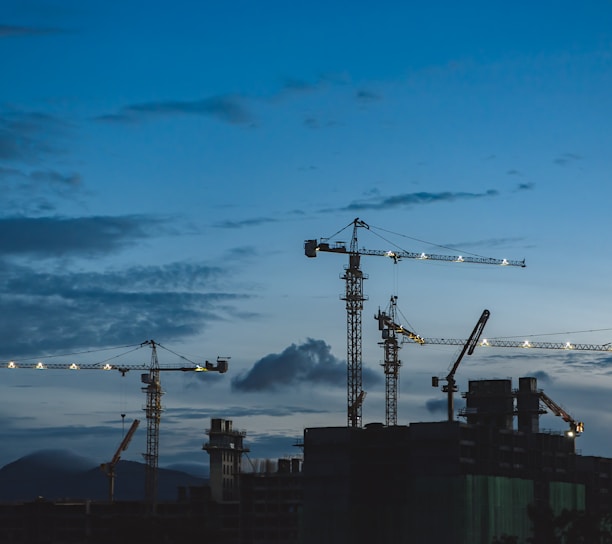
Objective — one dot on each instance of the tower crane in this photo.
(576, 427)
(153, 391)
(109, 468)
(468, 347)
(391, 365)
(354, 298)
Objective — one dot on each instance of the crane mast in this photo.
(391, 365)
(153, 410)
(354, 298)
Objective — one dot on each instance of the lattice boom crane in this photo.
(355, 298)
(152, 389)
(391, 365)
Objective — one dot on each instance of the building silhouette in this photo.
(451, 482)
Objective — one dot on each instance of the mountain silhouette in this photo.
(62, 474)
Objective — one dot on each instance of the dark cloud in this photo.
(229, 109)
(542, 376)
(310, 362)
(46, 312)
(525, 186)
(10, 31)
(83, 236)
(55, 178)
(567, 158)
(254, 222)
(513, 173)
(412, 199)
(367, 96)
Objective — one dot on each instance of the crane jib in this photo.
(311, 247)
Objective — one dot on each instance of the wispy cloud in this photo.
(364, 96)
(486, 242)
(227, 108)
(414, 199)
(26, 136)
(253, 222)
(7, 31)
(567, 158)
(37, 192)
(310, 362)
(299, 85)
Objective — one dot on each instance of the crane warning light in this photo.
(11, 365)
(40, 366)
(504, 262)
(459, 259)
(423, 256)
(107, 367)
(526, 344)
(568, 345)
(74, 366)
(485, 342)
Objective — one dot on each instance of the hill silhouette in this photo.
(61, 474)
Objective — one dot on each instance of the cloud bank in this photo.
(309, 363)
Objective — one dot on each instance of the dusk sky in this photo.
(162, 163)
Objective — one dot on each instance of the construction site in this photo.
(485, 474)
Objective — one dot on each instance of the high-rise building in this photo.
(225, 447)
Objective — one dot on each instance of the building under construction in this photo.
(450, 481)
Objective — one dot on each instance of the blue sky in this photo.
(161, 166)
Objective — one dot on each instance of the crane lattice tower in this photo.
(153, 411)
